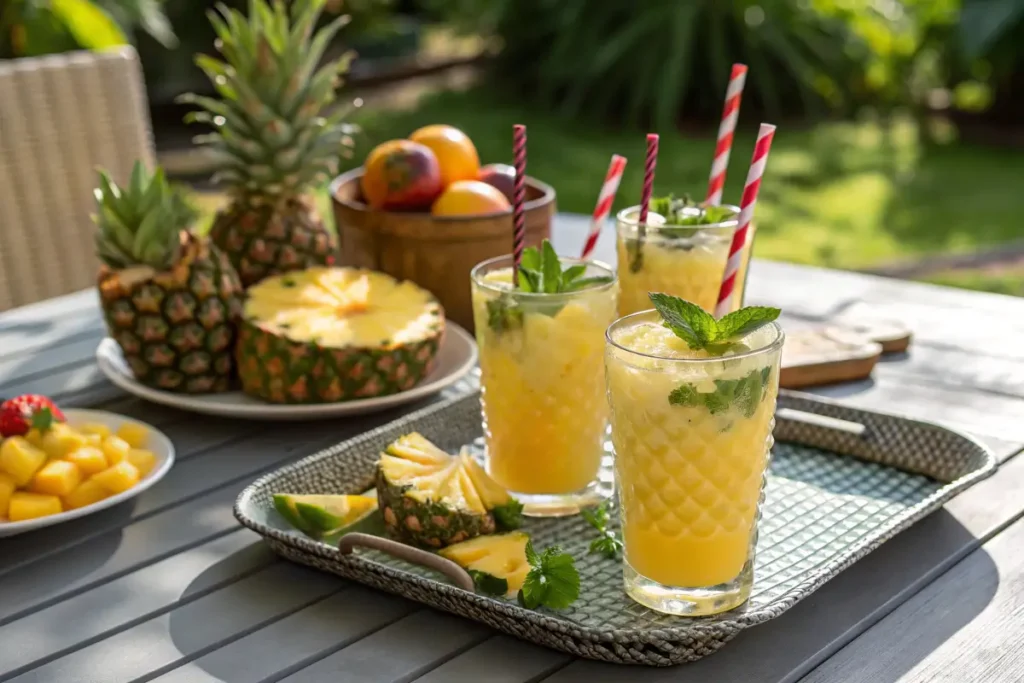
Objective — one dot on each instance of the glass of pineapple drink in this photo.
(692, 433)
(542, 377)
(684, 261)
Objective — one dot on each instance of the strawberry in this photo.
(22, 413)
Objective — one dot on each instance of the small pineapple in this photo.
(270, 140)
(170, 299)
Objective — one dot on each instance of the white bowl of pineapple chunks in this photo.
(92, 461)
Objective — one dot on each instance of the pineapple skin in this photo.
(176, 328)
(430, 524)
(265, 240)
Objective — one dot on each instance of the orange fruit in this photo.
(455, 152)
(400, 174)
(470, 198)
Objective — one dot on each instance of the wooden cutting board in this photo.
(826, 355)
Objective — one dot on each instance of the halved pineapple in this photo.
(429, 497)
(502, 556)
(335, 334)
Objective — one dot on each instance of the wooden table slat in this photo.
(164, 642)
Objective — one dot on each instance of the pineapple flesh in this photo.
(502, 556)
(170, 299)
(270, 136)
(432, 501)
(335, 334)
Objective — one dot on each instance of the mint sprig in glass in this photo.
(542, 375)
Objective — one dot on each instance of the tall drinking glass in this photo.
(542, 377)
(692, 435)
(684, 261)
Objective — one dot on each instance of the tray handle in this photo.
(824, 421)
(459, 576)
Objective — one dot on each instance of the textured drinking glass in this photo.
(692, 439)
(684, 261)
(542, 379)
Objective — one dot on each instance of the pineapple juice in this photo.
(690, 468)
(542, 379)
(687, 262)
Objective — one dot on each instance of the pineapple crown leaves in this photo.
(140, 224)
(269, 137)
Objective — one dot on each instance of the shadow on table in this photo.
(788, 648)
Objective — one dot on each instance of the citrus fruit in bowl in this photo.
(401, 174)
(470, 198)
(456, 154)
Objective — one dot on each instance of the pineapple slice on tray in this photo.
(323, 335)
(430, 499)
(497, 563)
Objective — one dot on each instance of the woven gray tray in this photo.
(823, 511)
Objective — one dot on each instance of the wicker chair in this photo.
(61, 117)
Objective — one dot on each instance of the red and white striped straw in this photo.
(605, 198)
(518, 199)
(749, 201)
(650, 161)
(726, 129)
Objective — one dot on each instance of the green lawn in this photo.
(838, 194)
(1008, 280)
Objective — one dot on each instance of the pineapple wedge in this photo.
(118, 478)
(61, 439)
(143, 460)
(501, 557)
(89, 459)
(115, 448)
(136, 435)
(87, 493)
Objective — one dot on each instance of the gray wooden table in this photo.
(169, 588)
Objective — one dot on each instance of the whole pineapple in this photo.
(170, 299)
(271, 143)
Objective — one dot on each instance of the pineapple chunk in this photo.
(134, 434)
(142, 459)
(115, 448)
(89, 459)
(32, 505)
(87, 493)
(61, 440)
(94, 440)
(7, 487)
(20, 459)
(118, 478)
(57, 478)
(95, 428)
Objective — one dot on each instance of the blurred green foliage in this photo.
(30, 28)
(664, 60)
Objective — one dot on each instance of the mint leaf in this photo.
(685, 395)
(746, 320)
(488, 583)
(585, 282)
(551, 268)
(721, 398)
(503, 314)
(572, 273)
(529, 280)
(509, 515)
(553, 580)
(607, 544)
(531, 259)
(689, 322)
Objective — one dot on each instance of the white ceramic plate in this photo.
(455, 358)
(158, 443)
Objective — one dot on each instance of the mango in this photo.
(57, 478)
(142, 459)
(32, 506)
(20, 459)
(115, 448)
(87, 493)
(89, 459)
(135, 434)
(118, 478)
(7, 487)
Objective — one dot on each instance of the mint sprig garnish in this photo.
(488, 584)
(607, 543)
(540, 272)
(685, 212)
(745, 393)
(553, 580)
(700, 330)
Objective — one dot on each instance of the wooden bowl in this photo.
(435, 252)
